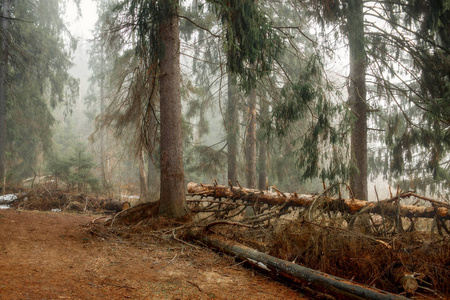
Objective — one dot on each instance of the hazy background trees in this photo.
(272, 93)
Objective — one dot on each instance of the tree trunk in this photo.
(4, 55)
(142, 176)
(351, 206)
(335, 285)
(153, 178)
(231, 125)
(357, 99)
(263, 182)
(172, 199)
(102, 129)
(250, 141)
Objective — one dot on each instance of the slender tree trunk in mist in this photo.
(3, 86)
(250, 141)
(357, 99)
(153, 178)
(173, 199)
(263, 182)
(142, 176)
(232, 127)
(102, 129)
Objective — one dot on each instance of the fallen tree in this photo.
(286, 269)
(352, 206)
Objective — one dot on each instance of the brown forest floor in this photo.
(50, 255)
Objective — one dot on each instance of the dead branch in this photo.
(351, 206)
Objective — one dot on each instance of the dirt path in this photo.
(46, 255)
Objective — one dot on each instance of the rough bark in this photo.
(357, 99)
(351, 206)
(250, 141)
(172, 199)
(231, 125)
(3, 86)
(286, 269)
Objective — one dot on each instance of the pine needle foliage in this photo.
(148, 15)
(38, 81)
(250, 41)
(305, 106)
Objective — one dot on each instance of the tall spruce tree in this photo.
(232, 128)
(399, 41)
(4, 56)
(172, 199)
(36, 49)
(158, 43)
(357, 98)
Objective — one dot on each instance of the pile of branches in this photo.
(382, 262)
(397, 247)
(385, 217)
(41, 198)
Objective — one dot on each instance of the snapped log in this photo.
(289, 270)
(351, 206)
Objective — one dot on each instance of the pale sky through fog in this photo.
(82, 26)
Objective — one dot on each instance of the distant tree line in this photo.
(246, 91)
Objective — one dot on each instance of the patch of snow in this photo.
(8, 197)
(56, 209)
(130, 196)
(4, 206)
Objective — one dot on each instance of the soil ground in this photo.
(50, 255)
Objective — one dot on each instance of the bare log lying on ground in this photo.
(110, 204)
(352, 206)
(135, 214)
(286, 269)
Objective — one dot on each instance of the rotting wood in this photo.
(289, 270)
(351, 206)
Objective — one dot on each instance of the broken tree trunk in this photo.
(286, 269)
(352, 206)
(405, 279)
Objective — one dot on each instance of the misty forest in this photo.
(305, 142)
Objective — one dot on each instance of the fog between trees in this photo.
(272, 93)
